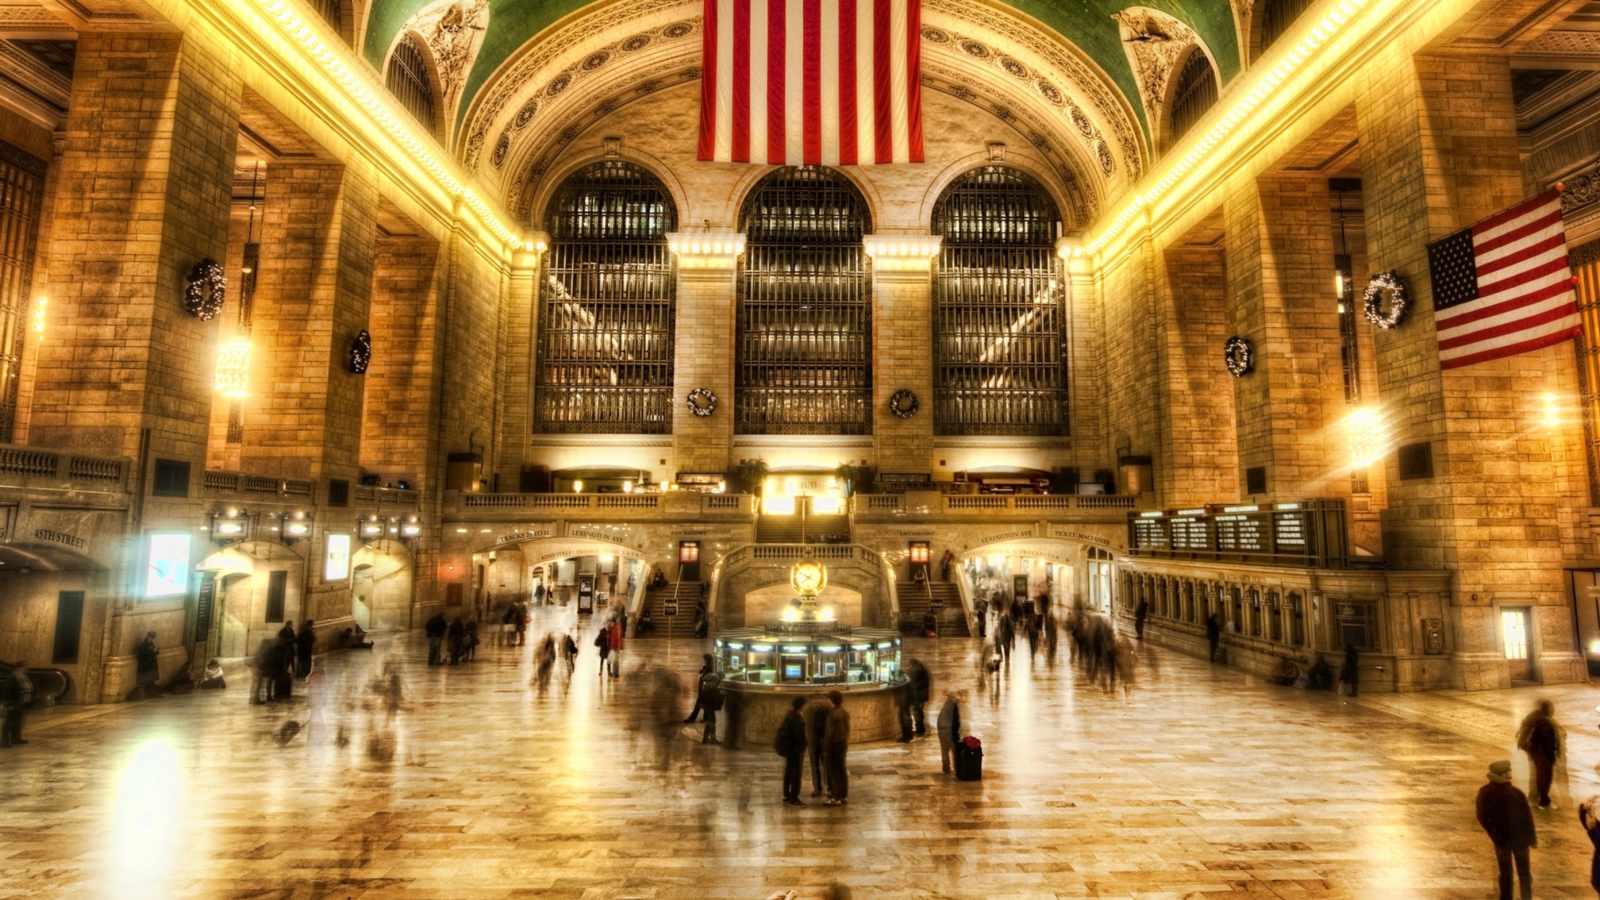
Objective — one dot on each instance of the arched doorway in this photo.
(381, 583)
(259, 586)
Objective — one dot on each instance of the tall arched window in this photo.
(1194, 91)
(805, 307)
(408, 81)
(999, 321)
(608, 298)
(1276, 17)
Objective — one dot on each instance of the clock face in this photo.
(808, 578)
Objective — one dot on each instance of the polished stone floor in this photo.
(469, 782)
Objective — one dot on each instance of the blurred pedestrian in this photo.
(212, 679)
(469, 641)
(602, 643)
(1213, 635)
(1540, 738)
(286, 633)
(1350, 671)
(921, 686)
(835, 743)
(1140, 613)
(949, 728)
(148, 671)
(16, 695)
(436, 628)
(705, 669)
(619, 634)
(816, 716)
(710, 700)
(519, 624)
(306, 644)
(569, 652)
(544, 662)
(456, 640)
(791, 745)
(1504, 814)
(1591, 825)
(263, 665)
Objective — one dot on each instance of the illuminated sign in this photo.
(167, 572)
(336, 565)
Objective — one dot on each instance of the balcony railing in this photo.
(94, 472)
(958, 503)
(681, 503)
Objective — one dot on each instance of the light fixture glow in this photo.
(38, 314)
(1367, 435)
(233, 368)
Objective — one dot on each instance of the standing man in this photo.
(949, 729)
(619, 631)
(1213, 634)
(16, 694)
(835, 741)
(710, 700)
(921, 685)
(1140, 613)
(705, 670)
(816, 716)
(306, 643)
(1540, 738)
(519, 623)
(791, 745)
(435, 629)
(1503, 812)
(149, 666)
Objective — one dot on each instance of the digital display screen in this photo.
(336, 566)
(791, 670)
(167, 572)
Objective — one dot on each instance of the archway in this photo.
(1026, 569)
(587, 574)
(259, 586)
(381, 582)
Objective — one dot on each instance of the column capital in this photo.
(902, 252)
(714, 250)
(529, 253)
(1077, 259)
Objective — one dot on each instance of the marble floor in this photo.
(470, 783)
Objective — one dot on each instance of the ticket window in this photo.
(792, 669)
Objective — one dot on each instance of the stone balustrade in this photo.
(38, 467)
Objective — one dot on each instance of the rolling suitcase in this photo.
(969, 759)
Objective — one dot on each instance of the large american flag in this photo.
(1502, 287)
(812, 82)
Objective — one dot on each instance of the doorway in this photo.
(1514, 631)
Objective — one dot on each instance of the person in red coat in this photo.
(1504, 813)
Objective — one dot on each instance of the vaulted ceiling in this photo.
(1089, 25)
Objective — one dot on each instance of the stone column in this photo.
(143, 191)
(520, 351)
(1280, 296)
(1086, 372)
(704, 353)
(313, 292)
(902, 347)
(400, 410)
(1438, 153)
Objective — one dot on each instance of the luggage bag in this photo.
(969, 759)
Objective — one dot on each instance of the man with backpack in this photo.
(791, 745)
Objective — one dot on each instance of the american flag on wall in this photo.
(812, 82)
(1502, 287)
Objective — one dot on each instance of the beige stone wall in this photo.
(1199, 410)
(402, 401)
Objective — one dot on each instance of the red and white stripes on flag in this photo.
(1502, 287)
(812, 82)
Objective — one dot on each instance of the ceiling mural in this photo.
(1089, 26)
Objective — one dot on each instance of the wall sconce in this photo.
(296, 527)
(627, 487)
(410, 529)
(370, 528)
(230, 526)
(38, 314)
(577, 487)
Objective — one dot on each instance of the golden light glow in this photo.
(38, 314)
(1367, 435)
(1552, 412)
(301, 33)
(577, 487)
(233, 368)
(1320, 34)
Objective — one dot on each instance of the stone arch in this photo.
(539, 204)
(382, 584)
(1165, 135)
(1067, 206)
(441, 116)
(244, 587)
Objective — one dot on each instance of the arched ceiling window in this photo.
(999, 319)
(408, 81)
(1276, 17)
(608, 302)
(804, 338)
(1193, 92)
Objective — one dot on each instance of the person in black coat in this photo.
(1140, 613)
(1539, 738)
(1350, 671)
(435, 628)
(1591, 825)
(791, 745)
(705, 670)
(305, 643)
(1504, 814)
(16, 695)
(1213, 634)
(149, 666)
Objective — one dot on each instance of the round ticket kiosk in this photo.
(808, 654)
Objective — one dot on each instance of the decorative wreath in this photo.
(361, 352)
(702, 402)
(206, 288)
(904, 404)
(1399, 300)
(1239, 356)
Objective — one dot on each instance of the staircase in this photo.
(803, 529)
(687, 593)
(914, 602)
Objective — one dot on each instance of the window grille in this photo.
(332, 12)
(999, 312)
(1192, 94)
(1274, 616)
(408, 81)
(1276, 17)
(21, 191)
(1297, 621)
(609, 294)
(805, 308)
(1357, 625)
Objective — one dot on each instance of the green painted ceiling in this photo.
(1085, 23)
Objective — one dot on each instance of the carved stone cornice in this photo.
(901, 255)
(713, 253)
